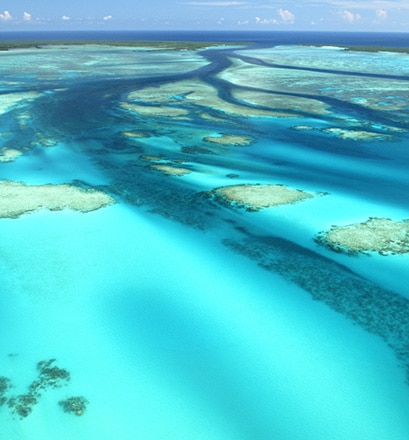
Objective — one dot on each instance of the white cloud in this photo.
(266, 21)
(6, 16)
(107, 17)
(381, 14)
(65, 18)
(349, 16)
(286, 16)
(26, 16)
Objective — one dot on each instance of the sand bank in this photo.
(18, 198)
(381, 235)
(256, 197)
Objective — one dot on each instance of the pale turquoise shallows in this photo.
(180, 315)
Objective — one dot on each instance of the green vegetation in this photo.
(365, 48)
(377, 49)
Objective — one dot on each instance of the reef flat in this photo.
(382, 235)
(256, 197)
(229, 139)
(17, 198)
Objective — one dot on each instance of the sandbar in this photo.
(134, 134)
(9, 154)
(382, 235)
(229, 139)
(17, 198)
(256, 197)
(357, 135)
(170, 170)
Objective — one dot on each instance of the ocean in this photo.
(204, 241)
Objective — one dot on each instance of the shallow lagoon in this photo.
(179, 316)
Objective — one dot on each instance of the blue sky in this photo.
(342, 15)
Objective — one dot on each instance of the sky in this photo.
(318, 15)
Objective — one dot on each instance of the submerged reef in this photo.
(11, 100)
(18, 198)
(256, 197)
(134, 134)
(229, 139)
(5, 385)
(49, 376)
(379, 311)
(382, 235)
(170, 170)
(357, 135)
(74, 405)
(9, 154)
(151, 158)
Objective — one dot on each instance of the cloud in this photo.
(286, 16)
(266, 21)
(65, 18)
(6, 16)
(107, 17)
(349, 16)
(26, 16)
(381, 14)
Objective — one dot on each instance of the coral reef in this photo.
(229, 139)
(256, 197)
(74, 405)
(377, 310)
(9, 154)
(357, 135)
(5, 385)
(382, 235)
(18, 198)
(49, 376)
(134, 134)
(170, 170)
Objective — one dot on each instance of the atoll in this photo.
(256, 197)
(381, 235)
(18, 198)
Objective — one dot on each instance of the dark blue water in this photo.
(384, 39)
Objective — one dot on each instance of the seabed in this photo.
(201, 241)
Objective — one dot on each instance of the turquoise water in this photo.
(179, 317)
